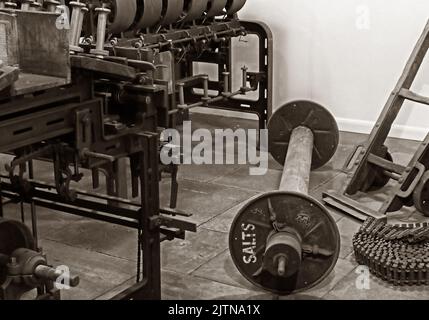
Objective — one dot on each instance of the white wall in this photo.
(346, 55)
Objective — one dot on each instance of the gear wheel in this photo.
(394, 254)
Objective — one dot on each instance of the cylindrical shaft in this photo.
(25, 5)
(80, 25)
(282, 266)
(226, 82)
(48, 273)
(244, 80)
(206, 87)
(297, 168)
(75, 19)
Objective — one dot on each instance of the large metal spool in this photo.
(216, 8)
(148, 13)
(194, 9)
(224, 7)
(286, 241)
(233, 6)
(172, 11)
(122, 16)
(139, 14)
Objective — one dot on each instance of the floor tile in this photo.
(99, 237)
(98, 272)
(185, 256)
(347, 289)
(205, 200)
(347, 227)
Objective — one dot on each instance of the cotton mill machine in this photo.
(86, 87)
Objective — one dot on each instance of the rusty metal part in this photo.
(194, 9)
(233, 6)
(216, 8)
(398, 256)
(308, 114)
(421, 195)
(286, 241)
(171, 11)
(149, 13)
(122, 16)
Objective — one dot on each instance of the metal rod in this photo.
(281, 269)
(226, 82)
(297, 168)
(45, 272)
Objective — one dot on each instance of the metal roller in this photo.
(233, 6)
(148, 14)
(194, 9)
(172, 10)
(216, 8)
(122, 16)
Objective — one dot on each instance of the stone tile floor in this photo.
(200, 267)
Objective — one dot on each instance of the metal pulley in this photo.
(233, 6)
(216, 8)
(194, 10)
(149, 13)
(123, 13)
(286, 241)
(172, 10)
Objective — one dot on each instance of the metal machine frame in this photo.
(90, 98)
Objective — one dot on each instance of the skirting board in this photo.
(346, 125)
(398, 131)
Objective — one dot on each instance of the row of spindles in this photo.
(31, 5)
(78, 11)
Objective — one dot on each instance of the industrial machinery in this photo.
(88, 86)
(285, 241)
(23, 268)
(392, 242)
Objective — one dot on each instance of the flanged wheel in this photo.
(13, 235)
(310, 115)
(293, 254)
(377, 179)
(421, 195)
